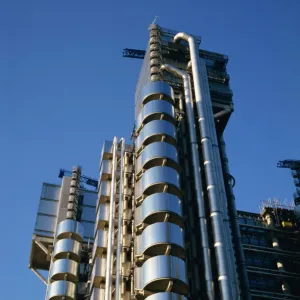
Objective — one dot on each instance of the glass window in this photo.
(261, 284)
(253, 241)
(249, 261)
(250, 222)
(257, 262)
(242, 221)
(245, 240)
(262, 242)
(267, 263)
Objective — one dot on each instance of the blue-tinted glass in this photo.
(250, 222)
(249, 261)
(253, 241)
(262, 242)
(268, 263)
(242, 220)
(257, 262)
(245, 240)
(252, 282)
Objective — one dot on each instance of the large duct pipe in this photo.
(197, 176)
(120, 222)
(208, 141)
(235, 226)
(110, 237)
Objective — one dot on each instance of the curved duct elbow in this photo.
(173, 70)
(182, 36)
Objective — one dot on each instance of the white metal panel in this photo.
(48, 207)
(50, 191)
(45, 223)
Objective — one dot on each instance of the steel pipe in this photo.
(245, 291)
(209, 147)
(120, 222)
(42, 246)
(197, 176)
(110, 240)
(39, 275)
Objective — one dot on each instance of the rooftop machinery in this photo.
(271, 242)
(162, 224)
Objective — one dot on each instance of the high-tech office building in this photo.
(160, 222)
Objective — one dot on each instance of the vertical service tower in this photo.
(162, 224)
(183, 103)
(66, 256)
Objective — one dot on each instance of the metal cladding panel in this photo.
(64, 268)
(156, 150)
(51, 191)
(48, 207)
(106, 151)
(106, 169)
(166, 296)
(138, 188)
(47, 212)
(158, 203)
(154, 89)
(155, 107)
(98, 272)
(161, 268)
(156, 179)
(154, 128)
(66, 227)
(158, 234)
(59, 289)
(160, 175)
(143, 79)
(100, 242)
(98, 294)
(102, 216)
(67, 248)
(45, 225)
(103, 192)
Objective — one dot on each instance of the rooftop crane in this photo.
(83, 179)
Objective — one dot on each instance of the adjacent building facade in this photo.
(162, 223)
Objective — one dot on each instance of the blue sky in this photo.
(65, 88)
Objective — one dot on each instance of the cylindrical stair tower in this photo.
(160, 271)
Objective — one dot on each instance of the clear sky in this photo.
(65, 88)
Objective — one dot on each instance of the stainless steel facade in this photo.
(162, 224)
